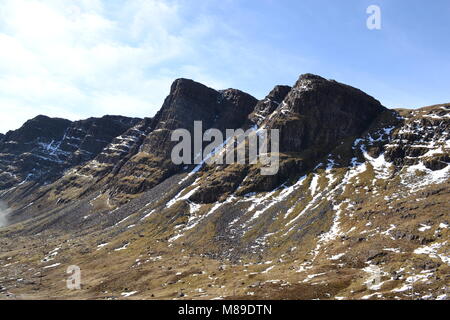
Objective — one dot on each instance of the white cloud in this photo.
(82, 58)
(69, 58)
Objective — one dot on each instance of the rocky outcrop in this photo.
(268, 105)
(44, 148)
(188, 102)
(314, 117)
(422, 138)
(124, 146)
(317, 113)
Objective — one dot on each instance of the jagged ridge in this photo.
(360, 187)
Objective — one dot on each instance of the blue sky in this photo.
(81, 58)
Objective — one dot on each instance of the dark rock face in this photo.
(188, 101)
(313, 118)
(317, 113)
(268, 105)
(409, 145)
(41, 128)
(126, 145)
(43, 148)
(218, 185)
(95, 133)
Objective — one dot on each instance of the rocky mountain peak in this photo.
(189, 88)
(190, 101)
(238, 101)
(43, 148)
(40, 127)
(268, 105)
(279, 93)
(319, 112)
(311, 77)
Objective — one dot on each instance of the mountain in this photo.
(44, 148)
(357, 210)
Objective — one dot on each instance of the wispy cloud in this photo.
(4, 211)
(78, 58)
